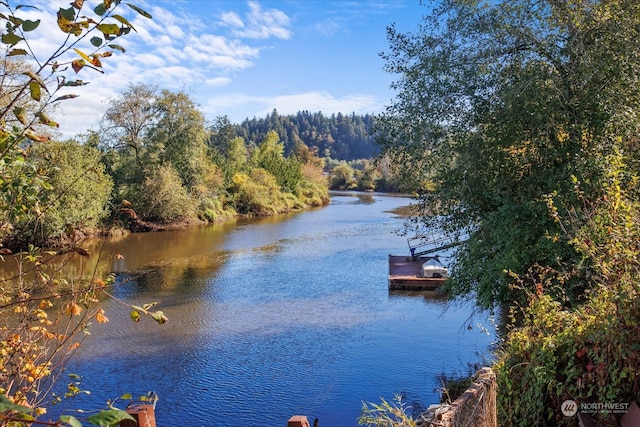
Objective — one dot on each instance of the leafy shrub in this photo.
(589, 354)
(255, 194)
(162, 197)
(342, 177)
(77, 194)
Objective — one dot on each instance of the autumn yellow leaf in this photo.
(74, 346)
(74, 309)
(44, 304)
(100, 317)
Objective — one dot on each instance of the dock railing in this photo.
(432, 241)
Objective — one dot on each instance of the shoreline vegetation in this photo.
(102, 183)
(136, 225)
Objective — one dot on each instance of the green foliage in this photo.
(221, 133)
(342, 177)
(109, 417)
(162, 197)
(213, 210)
(30, 85)
(387, 414)
(501, 105)
(179, 134)
(22, 415)
(269, 155)
(20, 186)
(236, 159)
(589, 354)
(146, 132)
(256, 194)
(339, 136)
(77, 194)
(361, 175)
(128, 119)
(523, 117)
(313, 192)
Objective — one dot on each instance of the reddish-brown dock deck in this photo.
(405, 273)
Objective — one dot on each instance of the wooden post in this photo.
(298, 421)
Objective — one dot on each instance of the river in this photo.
(274, 317)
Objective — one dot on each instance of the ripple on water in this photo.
(280, 318)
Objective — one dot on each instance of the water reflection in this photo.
(274, 317)
(430, 297)
(353, 198)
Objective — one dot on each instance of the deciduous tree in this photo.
(504, 106)
(180, 135)
(76, 197)
(129, 117)
(43, 313)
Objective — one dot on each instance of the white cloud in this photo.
(218, 81)
(173, 50)
(231, 19)
(323, 101)
(178, 51)
(218, 52)
(150, 60)
(328, 28)
(80, 114)
(260, 23)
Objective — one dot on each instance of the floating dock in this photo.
(405, 272)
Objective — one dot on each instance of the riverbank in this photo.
(125, 221)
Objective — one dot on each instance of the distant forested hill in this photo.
(340, 137)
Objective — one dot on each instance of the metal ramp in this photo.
(430, 242)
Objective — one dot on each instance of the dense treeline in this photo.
(345, 143)
(155, 161)
(339, 136)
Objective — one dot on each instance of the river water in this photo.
(274, 317)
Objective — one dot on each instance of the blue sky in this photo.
(244, 58)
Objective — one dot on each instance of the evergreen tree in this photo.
(339, 137)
